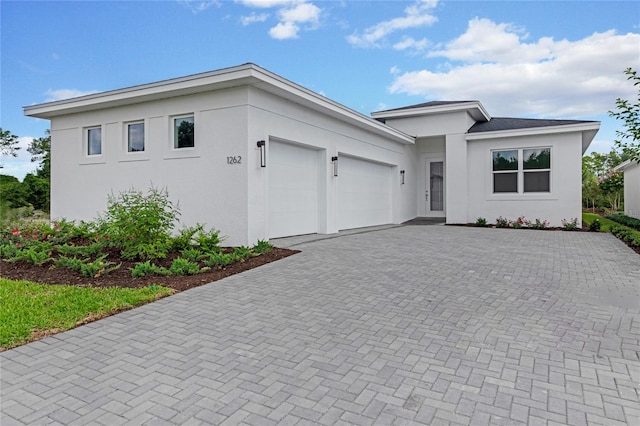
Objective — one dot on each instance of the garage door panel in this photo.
(364, 193)
(293, 190)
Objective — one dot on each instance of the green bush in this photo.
(140, 224)
(208, 242)
(144, 269)
(193, 255)
(262, 247)
(185, 238)
(631, 222)
(481, 221)
(570, 225)
(36, 254)
(242, 253)
(219, 260)
(92, 250)
(628, 235)
(87, 267)
(182, 266)
(502, 222)
(595, 225)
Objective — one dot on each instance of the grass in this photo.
(605, 224)
(29, 310)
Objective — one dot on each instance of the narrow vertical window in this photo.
(183, 132)
(94, 141)
(135, 137)
(537, 169)
(505, 171)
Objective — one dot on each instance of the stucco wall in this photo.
(274, 118)
(632, 190)
(562, 202)
(209, 191)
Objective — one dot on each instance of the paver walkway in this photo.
(405, 325)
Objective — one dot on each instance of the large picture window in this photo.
(135, 137)
(94, 141)
(521, 170)
(183, 132)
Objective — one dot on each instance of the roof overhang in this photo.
(629, 164)
(587, 129)
(473, 108)
(242, 75)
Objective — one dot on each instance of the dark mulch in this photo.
(122, 277)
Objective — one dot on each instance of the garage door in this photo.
(364, 193)
(293, 190)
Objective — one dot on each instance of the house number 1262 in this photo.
(234, 160)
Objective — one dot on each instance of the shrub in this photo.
(147, 268)
(37, 254)
(185, 238)
(519, 222)
(631, 222)
(262, 247)
(595, 225)
(207, 242)
(139, 224)
(628, 235)
(92, 250)
(193, 255)
(182, 266)
(570, 225)
(481, 221)
(88, 268)
(242, 253)
(537, 224)
(501, 222)
(219, 260)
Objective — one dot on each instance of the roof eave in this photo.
(588, 130)
(475, 109)
(242, 75)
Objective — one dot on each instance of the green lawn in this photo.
(29, 310)
(605, 223)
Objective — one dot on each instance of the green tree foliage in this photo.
(40, 150)
(601, 187)
(8, 143)
(629, 113)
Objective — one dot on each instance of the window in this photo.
(135, 137)
(94, 141)
(183, 132)
(531, 166)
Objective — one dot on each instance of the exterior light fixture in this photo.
(402, 177)
(263, 154)
(334, 160)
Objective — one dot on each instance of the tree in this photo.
(629, 113)
(8, 144)
(40, 150)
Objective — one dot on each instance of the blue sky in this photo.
(551, 59)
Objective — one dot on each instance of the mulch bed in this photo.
(122, 277)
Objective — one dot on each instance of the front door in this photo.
(434, 191)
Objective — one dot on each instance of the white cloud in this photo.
(417, 15)
(197, 6)
(292, 14)
(253, 18)
(395, 70)
(60, 94)
(492, 63)
(284, 30)
(409, 43)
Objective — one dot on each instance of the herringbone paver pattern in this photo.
(408, 325)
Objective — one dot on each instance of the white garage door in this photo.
(364, 193)
(293, 190)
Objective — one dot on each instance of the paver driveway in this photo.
(413, 324)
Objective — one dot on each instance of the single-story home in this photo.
(257, 156)
(631, 170)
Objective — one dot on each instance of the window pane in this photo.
(505, 182)
(183, 132)
(536, 182)
(94, 141)
(505, 160)
(537, 158)
(136, 137)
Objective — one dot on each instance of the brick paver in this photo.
(404, 325)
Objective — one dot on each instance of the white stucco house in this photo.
(257, 156)
(631, 170)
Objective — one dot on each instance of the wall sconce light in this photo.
(402, 177)
(263, 154)
(334, 160)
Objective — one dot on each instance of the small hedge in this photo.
(628, 235)
(631, 222)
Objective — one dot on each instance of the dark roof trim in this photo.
(507, 123)
(429, 104)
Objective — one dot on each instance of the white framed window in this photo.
(93, 140)
(183, 132)
(135, 136)
(521, 170)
